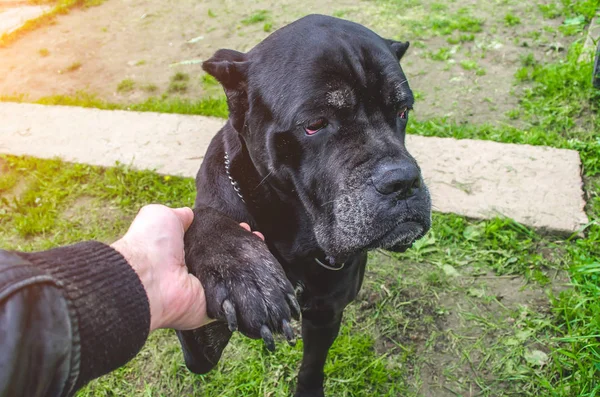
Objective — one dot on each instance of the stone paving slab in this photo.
(537, 186)
(12, 18)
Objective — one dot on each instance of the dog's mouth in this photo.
(400, 237)
(397, 239)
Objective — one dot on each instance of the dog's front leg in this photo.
(319, 330)
(246, 288)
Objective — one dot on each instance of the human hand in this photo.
(153, 246)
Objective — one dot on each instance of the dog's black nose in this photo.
(402, 180)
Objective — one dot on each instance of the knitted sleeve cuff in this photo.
(107, 300)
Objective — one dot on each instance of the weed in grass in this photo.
(511, 20)
(468, 64)
(267, 27)
(126, 86)
(211, 13)
(43, 52)
(208, 81)
(550, 11)
(180, 77)
(179, 83)
(258, 16)
(461, 21)
(340, 13)
(8, 180)
(150, 88)
(523, 74)
(513, 114)
(140, 62)
(528, 60)
(442, 54)
(177, 87)
(534, 34)
(73, 67)
(437, 7)
(462, 38)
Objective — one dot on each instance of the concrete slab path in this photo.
(536, 186)
(13, 18)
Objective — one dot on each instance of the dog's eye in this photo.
(315, 126)
(403, 113)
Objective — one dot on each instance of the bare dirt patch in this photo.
(144, 43)
(96, 219)
(460, 331)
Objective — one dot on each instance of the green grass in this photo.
(511, 20)
(462, 21)
(468, 64)
(550, 11)
(442, 54)
(462, 38)
(389, 336)
(256, 17)
(126, 86)
(179, 83)
(150, 88)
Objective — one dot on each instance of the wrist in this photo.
(138, 262)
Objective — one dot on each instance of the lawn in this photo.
(476, 308)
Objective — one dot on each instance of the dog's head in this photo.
(322, 106)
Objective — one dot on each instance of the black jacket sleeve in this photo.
(67, 316)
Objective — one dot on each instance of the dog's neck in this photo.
(323, 261)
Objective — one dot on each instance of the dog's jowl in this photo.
(313, 156)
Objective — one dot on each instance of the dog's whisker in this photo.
(264, 179)
(327, 202)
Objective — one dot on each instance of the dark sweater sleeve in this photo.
(108, 306)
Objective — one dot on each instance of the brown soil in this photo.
(450, 327)
(94, 49)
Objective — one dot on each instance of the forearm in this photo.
(107, 306)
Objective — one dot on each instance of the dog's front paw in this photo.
(244, 285)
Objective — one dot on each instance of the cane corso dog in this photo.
(312, 156)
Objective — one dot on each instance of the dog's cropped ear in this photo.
(399, 48)
(230, 68)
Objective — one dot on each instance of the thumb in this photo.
(185, 215)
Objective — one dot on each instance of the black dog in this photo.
(313, 156)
